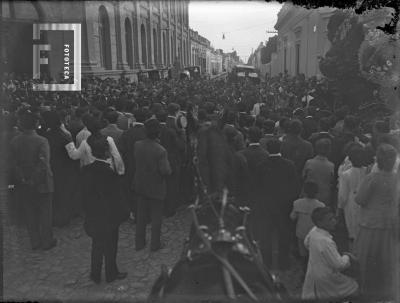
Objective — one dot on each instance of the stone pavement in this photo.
(62, 274)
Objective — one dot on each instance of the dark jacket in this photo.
(30, 158)
(297, 150)
(234, 137)
(126, 144)
(310, 126)
(254, 155)
(265, 139)
(241, 177)
(112, 130)
(215, 159)
(280, 185)
(171, 140)
(104, 204)
(152, 166)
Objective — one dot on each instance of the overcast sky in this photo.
(244, 23)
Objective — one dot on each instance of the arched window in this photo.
(164, 49)
(104, 38)
(128, 42)
(144, 41)
(155, 48)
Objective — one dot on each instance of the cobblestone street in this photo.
(62, 274)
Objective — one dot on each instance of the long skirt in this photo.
(377, 253)
(352, 218)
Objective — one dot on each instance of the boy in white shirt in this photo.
(324, 280)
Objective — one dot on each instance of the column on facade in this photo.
(181, 11)
(150, 44)
(137, 36)
(160, 48)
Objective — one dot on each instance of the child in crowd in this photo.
(302, 210)
(324, 280)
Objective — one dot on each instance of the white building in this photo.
(302, 40)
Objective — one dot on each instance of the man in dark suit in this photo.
(30, 155)
(295, 148)
(269, 133)
(254, 155)
(279, 188)
(216, 163)
(324, 127)
(176, 155)
(112, 130)
(174, 146)
(126, 146)
(105, 210)
(233, 136)
(152, 167)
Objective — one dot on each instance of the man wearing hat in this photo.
(152, 167)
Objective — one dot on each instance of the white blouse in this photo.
(84, 154)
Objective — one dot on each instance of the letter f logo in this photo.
(37, 61)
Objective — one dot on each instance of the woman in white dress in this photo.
(349, 182)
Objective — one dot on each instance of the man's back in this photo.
(321, 171)
(103, 201)
(265, 139)
(297, 150)
(126, 144)
(174, 145)
(26, 148)
(152, 165)
(112, 131)
(254, 155)
(31, 155)
(279, 181)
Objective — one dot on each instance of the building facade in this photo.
(214, 61)
(199, 46)
(302, 40)
(118, 37)
(229, 60)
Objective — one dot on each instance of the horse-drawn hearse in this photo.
(220, 261)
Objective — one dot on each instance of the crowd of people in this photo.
(120, 150)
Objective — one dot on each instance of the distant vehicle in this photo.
(245, 72)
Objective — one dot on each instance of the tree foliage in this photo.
(341, 63)
(270, 48)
